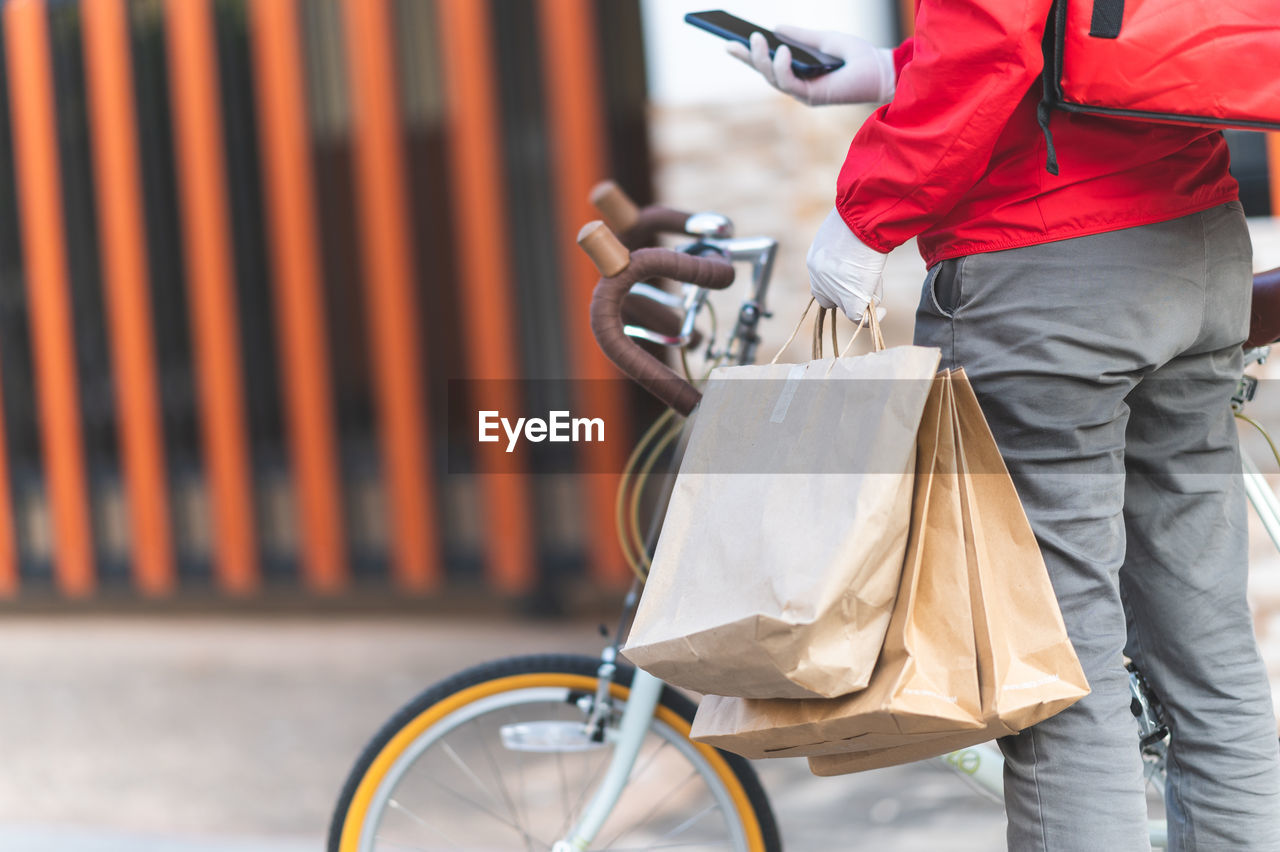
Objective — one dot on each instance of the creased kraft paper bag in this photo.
(1027, 669)
(926, 679)
(782, 546)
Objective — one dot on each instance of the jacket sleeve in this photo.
(902, 55)
(969, 65)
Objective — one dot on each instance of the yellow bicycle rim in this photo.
(358, 810)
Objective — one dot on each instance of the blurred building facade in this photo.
(245, 244)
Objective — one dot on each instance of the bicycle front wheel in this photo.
(496, 758)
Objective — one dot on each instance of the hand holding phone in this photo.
(806, 62)
(857, 71)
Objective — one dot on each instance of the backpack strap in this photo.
(1107, 17)
(1051, 79)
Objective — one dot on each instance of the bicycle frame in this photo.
(1263, 499)
(641, 704)
(646, 690)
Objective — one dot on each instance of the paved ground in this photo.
(208, 734)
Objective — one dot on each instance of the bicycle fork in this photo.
(641, 705)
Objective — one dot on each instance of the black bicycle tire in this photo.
(539, 664)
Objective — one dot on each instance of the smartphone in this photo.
(806, 62)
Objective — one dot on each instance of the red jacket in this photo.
(957, 158)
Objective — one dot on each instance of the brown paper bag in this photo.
(1027, 669)
(926, 678)
(782, 547)
(922, 748)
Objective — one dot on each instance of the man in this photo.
(1099, 314)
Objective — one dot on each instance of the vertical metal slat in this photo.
(907, 14)
(383, 208)
(206, 229)
(479, 223)
(126, 276)
(44, 243)
(574, 103)
(301, 323)
(9, 577)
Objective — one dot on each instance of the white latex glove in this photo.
(867, 76)
(844, 271)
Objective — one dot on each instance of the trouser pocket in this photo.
(945, 286)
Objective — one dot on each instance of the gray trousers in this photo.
(1105, 365)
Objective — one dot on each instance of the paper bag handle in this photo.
(869, 318)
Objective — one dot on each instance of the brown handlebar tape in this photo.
(646, 313)
(654, 220)
(610, 258)
(606, 319)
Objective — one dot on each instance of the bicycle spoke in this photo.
(656, 805)
(564, 782)
(394, 803)
(588, 788)
(512, 720)
(467, 770)
(506, 794)
(524, 834)
(687, 824)
(636, 773)
(649, 761)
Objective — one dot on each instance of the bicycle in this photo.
(621, 733)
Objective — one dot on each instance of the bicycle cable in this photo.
(1266, 435)
(684, 363)
(626, 483)
(635, 476)
(642, 478)
(684, 350)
